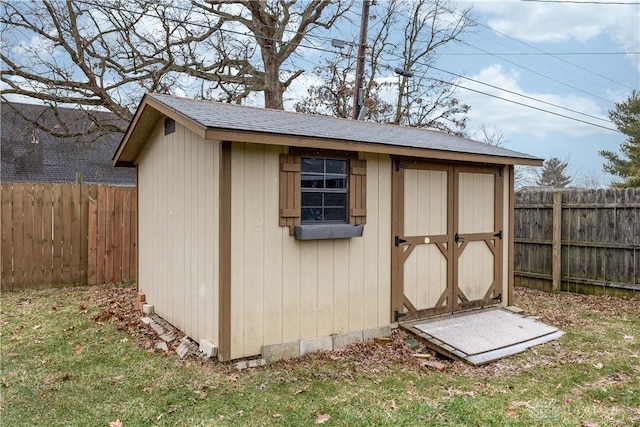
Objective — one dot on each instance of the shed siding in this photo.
(178, 229)
(285, 290)
(476, 206)
(425, 213)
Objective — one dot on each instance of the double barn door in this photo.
(447, 230)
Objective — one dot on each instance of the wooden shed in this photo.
(274, 233)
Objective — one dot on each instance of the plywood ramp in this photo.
(482, 336)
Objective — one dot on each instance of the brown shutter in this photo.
(358, 192)
(289, 190)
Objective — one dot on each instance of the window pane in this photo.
(311, 214)
(335, 200)
(335, 214)
(312, 199)
(312, 181)
(336, 166)
(310, 164)
(336, 182)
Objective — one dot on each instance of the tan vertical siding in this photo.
(285, 290)
(178, 220)
(476, 201)
(425, 210)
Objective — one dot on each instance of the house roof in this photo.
(29, 154)
(231, 122)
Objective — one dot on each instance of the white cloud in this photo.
(516, 119)
(557, 22)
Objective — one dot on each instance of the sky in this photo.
(564, 59)
(592, 62)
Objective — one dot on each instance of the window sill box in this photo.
(327, 231)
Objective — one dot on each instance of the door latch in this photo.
(458, 238)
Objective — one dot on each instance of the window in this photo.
(322, 187)
(324, 184)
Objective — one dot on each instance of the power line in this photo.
(438, 80)
(538, 50)
(516, 102)
(536, 54)
(521, 95)
(613, 3)
(524, 105)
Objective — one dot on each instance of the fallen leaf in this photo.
(4, 382)
(323, 418)
(79, 348)
(588, 424)
(148, 389)
(512, 412)
(55, 378)
(116, 423)
(598, 365)
(276, 415)
(35, 328)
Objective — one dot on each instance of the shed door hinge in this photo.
(498, 234)
(397, 315)
(400, 165)
(400, 241)
(497, 298)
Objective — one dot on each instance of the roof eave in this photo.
(366, 147)
(147, 115)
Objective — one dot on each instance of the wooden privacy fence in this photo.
(59, 234)
(585, 241)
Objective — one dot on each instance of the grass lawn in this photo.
(77, 357)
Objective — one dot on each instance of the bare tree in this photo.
(277, 27)
(107, 54)
(421, 100)
(334, 95)
(405, 38)
(493, 136)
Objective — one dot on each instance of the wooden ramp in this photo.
(482, 336)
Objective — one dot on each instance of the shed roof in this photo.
(221, 121)
(29, 154)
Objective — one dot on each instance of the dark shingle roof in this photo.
(234, 117)
(31, 155)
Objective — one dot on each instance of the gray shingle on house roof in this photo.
(52, 159)
(253, 119)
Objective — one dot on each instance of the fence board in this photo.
(7, 235)
(101, 235)
(116, 231)
(17, 231)
(56, 237)
(67, 236)
(63, 234)
(38, 207)
(76, 230)
(47, 234)
(125, 265)
(599, 236)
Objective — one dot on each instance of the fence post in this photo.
(556, 242)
